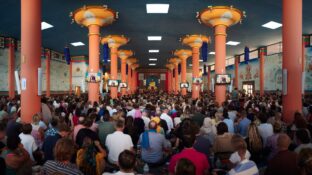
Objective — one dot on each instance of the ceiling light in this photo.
(200, 60)
(153, 59)
(233, 43)
(190, 64)
(108, 60)
(212, 53)
(154, 38)
(153, 51)
(157, 8)
(152, 64)
(77, 44)
(272, 25)
(45, 25)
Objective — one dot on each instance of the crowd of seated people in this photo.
(156, 133)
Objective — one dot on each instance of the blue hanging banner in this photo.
(67, 55)
(179, 69)
(246, 54)
(105, 53)
(204, 51)
(127, 69)
(104, 69)
(205, 69)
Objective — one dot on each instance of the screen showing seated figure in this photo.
(93, 77)
(113, 83)
(223, 79)
(123, 85)
(184, 85)
(197, 80)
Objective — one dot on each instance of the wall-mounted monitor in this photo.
(112, 83)
(184, 85)
(93, 77)
(123, 85)
(222, 79)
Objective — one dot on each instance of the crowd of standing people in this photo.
(156, 133)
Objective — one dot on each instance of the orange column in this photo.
(261, 67)
(209, 79)
(114, 71)
(220, 39)
(123, 75)
(195, 65)
(292, 57)
(183, 74)
(169, 81)
(134, 81)
(48, 65)
(30, 58)
(11, 67)
(236, 64)
(94, 60)
(176, 81)
(71, 77)
(173, 80)
(129, 79)
(303, 53)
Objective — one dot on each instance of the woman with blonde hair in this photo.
(38, 128)
(254, 142)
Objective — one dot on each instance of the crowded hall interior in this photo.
(155, 87)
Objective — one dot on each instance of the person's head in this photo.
(305, 161)
(283, 142)
(299, 121)
(26, 128)
(126, 161)
(88, 122)
(120, 124)
(255, 140)
(63, 150)
(54, 122)
(188, 140)
(222, 128)
(241, 148)
(2, 130)
(63, 130)
(13, 142)
(36, 119)
(152, 125)
(185, 167)
(303, 136)
(262, 117)
(277, 127)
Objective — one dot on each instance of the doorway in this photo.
(249, 87)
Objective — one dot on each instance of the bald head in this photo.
(283, 141)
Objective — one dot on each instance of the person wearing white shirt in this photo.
(265, 129)
(126, 163)
(167, 118)
(131, 113)
(28, 140)
(146, 119)
(117, 142)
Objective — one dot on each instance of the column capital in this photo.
(174, 61)
(183, 54)
(124, 54)
(195, 40)
(134, 66)
(114, 41)
(170, 66)
(220, 15)
(131, 61)
(94, 15)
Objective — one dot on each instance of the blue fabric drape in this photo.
(145, 139)
(105, 53)
(204, 51)
(246, 54)
(67, 55)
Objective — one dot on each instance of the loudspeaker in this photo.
(17, 82)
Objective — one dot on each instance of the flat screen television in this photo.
(123, 85)
(93, 77)
(222, 79)
(197, 80)
(184, 85)
(112, 83)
